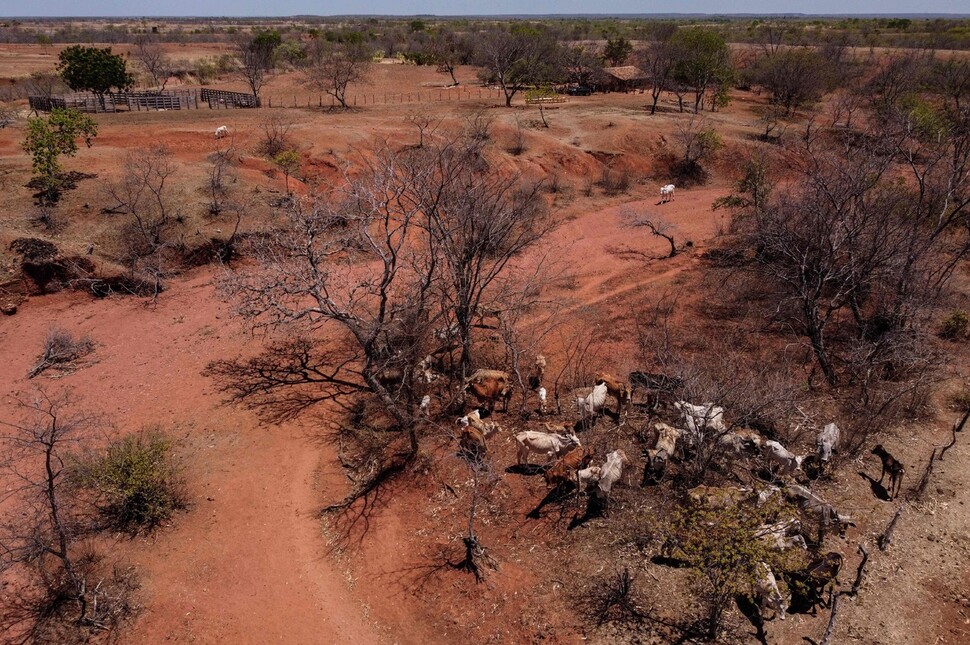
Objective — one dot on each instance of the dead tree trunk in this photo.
(886, 539)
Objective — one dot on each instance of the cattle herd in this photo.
(567, 467)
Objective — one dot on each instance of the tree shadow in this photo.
(877, 489)
(750, 610)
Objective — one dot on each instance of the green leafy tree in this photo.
(257, 57)
(519, 58)
(92, 69)
(723, 552)
(617, 51)
(48, 139)
(704, 62)
(288, 161)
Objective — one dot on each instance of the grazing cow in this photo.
(782, 535)
(610, 472)
(616, 388)
(550, 445)
(594, 402)
(739, 441)
(666, 193)
(778, 456)
(766, 590)
(222, 131)
(819, 510)
(892, 466)
(662, 451)
(718, 497)
(537, 373)
(564, 470)
(827, 442)
(473, 433)
(490, 386)
(700, 417)
(587, 477)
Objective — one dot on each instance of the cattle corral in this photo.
(252, 558)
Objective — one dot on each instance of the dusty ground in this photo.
(251, 561)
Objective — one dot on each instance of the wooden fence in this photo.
(382, 98)
(194, 99)
(222, 99)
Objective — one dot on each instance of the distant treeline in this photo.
(394, 36)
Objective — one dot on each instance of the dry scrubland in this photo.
(252, 559)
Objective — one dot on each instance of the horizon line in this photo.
(897, 14)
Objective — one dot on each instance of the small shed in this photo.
(623, 79)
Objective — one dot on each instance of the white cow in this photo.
(611, 471)
(587, 477)
(701, 417)
(779, 456)
(827, 441)
(543, 443)
(767, 593)
(222, 131)
(666, 193)
(594, 402)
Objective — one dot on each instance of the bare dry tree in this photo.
(40, 528)
(150, 54)
(221, 173)
(276, 128)
(657, 225)
(479, 218)
(335, 66)
(426, 125)
(145, 196)
(851, 245)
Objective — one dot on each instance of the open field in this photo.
(254, 560)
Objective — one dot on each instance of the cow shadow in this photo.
(529, 470)
(557, 495)
(595, 507)
(877, 489)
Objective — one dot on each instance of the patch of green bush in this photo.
(136, 482)
(955, 326)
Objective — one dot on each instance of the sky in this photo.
(19, 8)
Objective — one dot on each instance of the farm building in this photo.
(623, 79)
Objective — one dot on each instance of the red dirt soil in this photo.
(251, 561)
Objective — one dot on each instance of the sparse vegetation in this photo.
(955, 326)
(49, 139)
(61, 350)
(135, 482)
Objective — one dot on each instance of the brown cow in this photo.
(565, 469)
(619, 390)
(490, 386)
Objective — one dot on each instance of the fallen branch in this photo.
(830, 630)
(853, 592)
(957, 427)
(886, 539)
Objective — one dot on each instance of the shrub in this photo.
(955, 326)
(61, 349)
(614, 182)
(136, 482)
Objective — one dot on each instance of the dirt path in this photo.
(247, 563)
